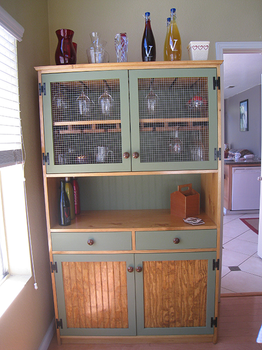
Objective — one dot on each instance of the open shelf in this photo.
(119, 220)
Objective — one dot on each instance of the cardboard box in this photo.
(185, 202)
(198, 50)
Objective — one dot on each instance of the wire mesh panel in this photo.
(86, 122)
(174, 120)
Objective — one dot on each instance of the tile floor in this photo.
(240, 249)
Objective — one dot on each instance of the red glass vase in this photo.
(65, 51)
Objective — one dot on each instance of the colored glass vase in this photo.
(65, 51)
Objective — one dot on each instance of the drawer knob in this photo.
(130, 269)
(176, 240)
(138, 269)
(126, 155)
(90, 242)
(135, 155)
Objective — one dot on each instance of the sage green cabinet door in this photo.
(175, 293)
(173, 119)
(86, 121)
(95, 294)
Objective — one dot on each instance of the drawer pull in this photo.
(126, 155)
(138, 269)
(176, 240)
(90, 242)
(135, 155)
(130, 269)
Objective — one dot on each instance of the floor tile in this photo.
(227, 238)
(242, 282)
(225, 291)
(230, 258)
(252, 265)
(225, 271)
(229, 218)
(249, 236)
(240, 246)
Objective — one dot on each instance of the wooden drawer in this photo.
(101, 241)
(162, 240)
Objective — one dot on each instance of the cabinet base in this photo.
(139, 339)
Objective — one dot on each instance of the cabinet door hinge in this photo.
(213, 322)
(217, 154)
(216, 264)
(53, 267)
(59, 323)
(46, 159)
(41, 89)
(216, 83)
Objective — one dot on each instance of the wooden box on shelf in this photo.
(185, 201)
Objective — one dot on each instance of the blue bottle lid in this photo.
(147, 14)
(173, 10)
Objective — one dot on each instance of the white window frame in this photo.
(13, 203)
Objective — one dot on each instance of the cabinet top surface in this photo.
(128, 65)
(127, 220)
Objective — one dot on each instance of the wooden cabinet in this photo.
(135, 293)
(126, 270)
(172, 114)
(175, 293)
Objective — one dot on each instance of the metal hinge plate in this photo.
(59, 323)
(213, 322)
(217, 153)
(42, 89)
(216, 83)
(46, 159)
(53, 267)
(216, 264)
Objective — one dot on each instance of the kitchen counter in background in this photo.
(242, 161)
(241, 187)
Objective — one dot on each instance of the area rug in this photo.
(251, 223)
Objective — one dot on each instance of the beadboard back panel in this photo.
(132, 192)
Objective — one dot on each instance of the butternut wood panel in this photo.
(175, 293)
(95, 294)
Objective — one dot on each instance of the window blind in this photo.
(10, 125)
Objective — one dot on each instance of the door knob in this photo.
(259, 178)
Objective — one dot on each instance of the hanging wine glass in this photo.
(84, 105)
(59, 103)
(176, 145)
(106, 103)
(152, 100)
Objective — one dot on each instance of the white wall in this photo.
(24, 324)
(251, 139)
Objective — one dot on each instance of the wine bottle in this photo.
(148, 41)
(76, 196)
(168, 20)
(64, 206)
(70, 195)
(173, 51)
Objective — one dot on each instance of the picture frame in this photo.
(244, 117)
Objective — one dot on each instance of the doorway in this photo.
(241, 270)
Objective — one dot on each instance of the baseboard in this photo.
(48, 336)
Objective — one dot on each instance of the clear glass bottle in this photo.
(148, 41)
(173, 51)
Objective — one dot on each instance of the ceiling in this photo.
(241, 72)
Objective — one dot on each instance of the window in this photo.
(15, 264)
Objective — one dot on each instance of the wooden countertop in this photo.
(124, 220)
